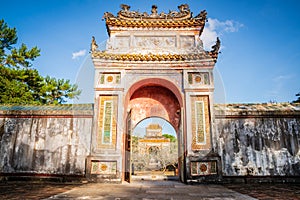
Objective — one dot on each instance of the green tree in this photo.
(22, 84)
(171, 137)
(58, 91)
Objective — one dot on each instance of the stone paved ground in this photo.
(147, 190)
(268, 191)
(151, 190)
(32, 190)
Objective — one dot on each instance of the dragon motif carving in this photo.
(216, 47)
(183, 13)
(125, 13)
(202, 15)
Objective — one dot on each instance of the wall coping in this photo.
(257, 110)
(45, 110)
(220, 110)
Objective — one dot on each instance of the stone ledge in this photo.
(278, 110)
(43, 110)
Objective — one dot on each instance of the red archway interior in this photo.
(154, 100)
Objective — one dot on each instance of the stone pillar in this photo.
(202, 162)
(105, 162)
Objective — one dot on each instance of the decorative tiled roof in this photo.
(172, 19)
(154, 126)
(167, 23)
(153, 57)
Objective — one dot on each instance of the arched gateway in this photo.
(154, 65)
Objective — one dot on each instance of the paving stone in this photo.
(147, 190)
(151, 190)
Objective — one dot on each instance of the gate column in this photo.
(202, 162)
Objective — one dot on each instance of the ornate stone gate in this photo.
(153, 65)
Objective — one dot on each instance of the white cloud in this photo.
(78, 54)
(278, 85)
(215, 28)
(281, 78)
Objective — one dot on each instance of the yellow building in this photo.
(153, 142)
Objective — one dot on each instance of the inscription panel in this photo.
(107, 122)
(200, 125)
(154, 41)
(200, 122)
(107, 130)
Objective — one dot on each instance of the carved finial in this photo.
(154, 10)
(125, 13)
(107, 15)
(94, 45)
(202, 15)
(216, 47)
(125, 7)
(184, 8)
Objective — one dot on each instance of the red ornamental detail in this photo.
(203, 168)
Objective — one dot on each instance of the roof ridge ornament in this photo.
(202, 15)
(94, 45)
(215, 49)
(125, 13)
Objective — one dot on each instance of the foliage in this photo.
(298, 100)
(171, 137)
(19, 82)
(58, 90)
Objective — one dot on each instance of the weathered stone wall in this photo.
(258, 140)
(45, 139)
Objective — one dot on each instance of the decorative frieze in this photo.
(187, 42)
(198, 78)
(103, 167)
(109, 78)
(203, 168)
(155, 41)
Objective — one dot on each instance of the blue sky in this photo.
(260, 41)
(140, 129)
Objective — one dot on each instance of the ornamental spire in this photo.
(94, 45)
(215, 49)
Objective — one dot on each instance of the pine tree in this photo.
(20, 83)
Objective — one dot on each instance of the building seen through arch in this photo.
(154, 151)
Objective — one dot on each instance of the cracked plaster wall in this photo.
(260, 144)
(263, 146)
(44, 145)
